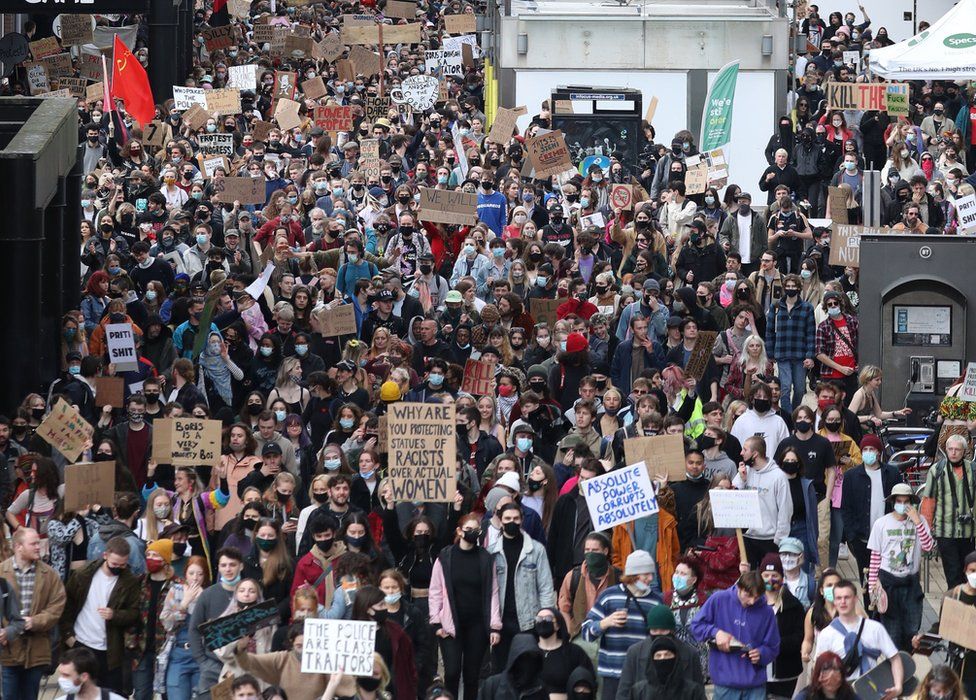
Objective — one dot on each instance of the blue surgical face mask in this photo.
(436, 379)
(321, 187)
(367, 475)
(469, 249)
(74, 370)
(332, 464)
(211, 128)
(442, 179)
(346, 423)
(806, 274)
(266, 351)
(280, 416)
(392, 598)
(202, 239)
(562, 345)
(150, 295)
(524, 444)
(293, 200)
(901, 508)
(709, 200)
(584, 202)
(114, 269)
(498, 252)
(679, 582)
(541, 280)
(338, 191)
(230, 581)
(85, 203)
(834, 311)
(301, 349)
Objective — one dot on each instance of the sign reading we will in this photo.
(186, 442)
(422, 449)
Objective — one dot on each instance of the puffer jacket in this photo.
(533, 580)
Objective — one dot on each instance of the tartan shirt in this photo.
(827, 339)
(26, 579)
(790, 334)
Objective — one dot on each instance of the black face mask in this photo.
(545, 628)
(254, 409)
(179, 548)
(324, 545)
(512, 529)
(790, 467)
(471, 536)
(283, 497)
(421, 541)
(833, 426)
(320, 497)
(803, 426)
(152, 398)
(116, 570)
(368, 683)
(664, 668)
(380, 616)
(742, 294)
(761, 405)
(537, 387)
(706, 442)
(37, 413)
(99, 457)
(581, 695)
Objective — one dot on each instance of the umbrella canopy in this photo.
(946, 50)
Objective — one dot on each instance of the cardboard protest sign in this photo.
(339, 646)
(651, 110)
(696, 178)
(77, 86)
(958, 623)
(65, 430)
(968, 390)
(57, 93)
(418, 91)
(966, 212)
(58, 64)
(544, 310)
(340, 320)
(345, 70)
(548, 154)
(225, 689)
(369, 157)
(735, 509)
(121, 347)
(109, 391)
(363, 61)
(156, 134)
(460, 24)
(44, 47)
(422, 448)
(863, 96)
(382, 434)
(837, 199)
(216, 144)
(239, 8)
(334, 118)
(361, 20)
(564, 107)
(504, 125)
(285, 85)
(216, 38)
(845, 245)
(392, 34)
(224, 101)
(221, 631)
(400, 9)
(296, 45)
(95, 92)
(89, 65)
(459, 42)
(448, 206)
(315, 88)
(186, 97)
(263, 33)
(444, 62)
(479, 378)
(243, 77)
(186, 441)
(897, 100)
(86, 484)
(701, 353)
(209, 164)
(77, 29)
(262, 130)
(286, 114)
(661, 454)
(620, 496)
(330, 48)
(622, 197)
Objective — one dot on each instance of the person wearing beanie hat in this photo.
(864, 495)
(155, 587)
(571, 366)
(390, 392)
(618, 619)
(162, 547)
(788, 665)
(660, 620)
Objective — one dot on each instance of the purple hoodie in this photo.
(754, 626)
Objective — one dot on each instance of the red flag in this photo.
(131, 84)
(220, 15)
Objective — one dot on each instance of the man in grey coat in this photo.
(211, 603)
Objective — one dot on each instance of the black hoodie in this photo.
(675, 685)
(521, 679)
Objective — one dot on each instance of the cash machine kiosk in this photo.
(916, 321)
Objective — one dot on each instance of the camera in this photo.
(965, 519)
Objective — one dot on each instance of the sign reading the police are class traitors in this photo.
(339, 646)
(620, 496)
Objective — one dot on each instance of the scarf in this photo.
(217, 372)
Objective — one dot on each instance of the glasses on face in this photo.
(833, 305)
(640, 392)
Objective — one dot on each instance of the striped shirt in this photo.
(615, 641)
(25, 582)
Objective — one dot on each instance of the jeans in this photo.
(725, 693)
(182, 674)
(21, 683)
(904, 615)
(142, 677)
(792, 375)
(836, 534)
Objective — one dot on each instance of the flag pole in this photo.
(109, 105)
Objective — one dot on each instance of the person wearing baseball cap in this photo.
(788, 664)
(896, 543)
(619, 617)
(865, 492)
(744, 232)
(795, 576)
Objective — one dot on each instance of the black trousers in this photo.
(111, 679)
(859, 548)
(464, 655)
(757, 549)
(953, 551)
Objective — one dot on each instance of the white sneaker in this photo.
(843, 553)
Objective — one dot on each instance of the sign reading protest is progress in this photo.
(620, 496)
(339, 646)
(422, 451)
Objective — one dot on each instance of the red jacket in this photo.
(583, 309)
(296, 236)
(404, 664)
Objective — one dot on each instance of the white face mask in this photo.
(790, 561)
(67, 686)
(971, 579)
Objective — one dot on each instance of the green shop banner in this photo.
(717, 120)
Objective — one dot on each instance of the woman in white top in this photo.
(318, 493)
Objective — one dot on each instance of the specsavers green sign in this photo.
(716, 128)
(964, 40)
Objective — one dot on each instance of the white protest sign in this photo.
(968, 390)
(256, 288)
(444, 62)
(456, 42)
(966, 211)
(852, 58)
(244, 77)
(735, 509)
(462, 157)
(121, 347)
(334, 646)
(620, 496)
(216, 144)
(186, 97)
(418, 91)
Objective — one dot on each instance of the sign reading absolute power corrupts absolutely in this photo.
(620, 496)
(186, 442)
(422, 451)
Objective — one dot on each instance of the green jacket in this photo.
(730, 234)
(124, 601)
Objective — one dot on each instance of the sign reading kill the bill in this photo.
(422, 449)
(845, 244)
(881, 97)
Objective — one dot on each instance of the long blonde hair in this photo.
(152, 522)
(744, 355)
